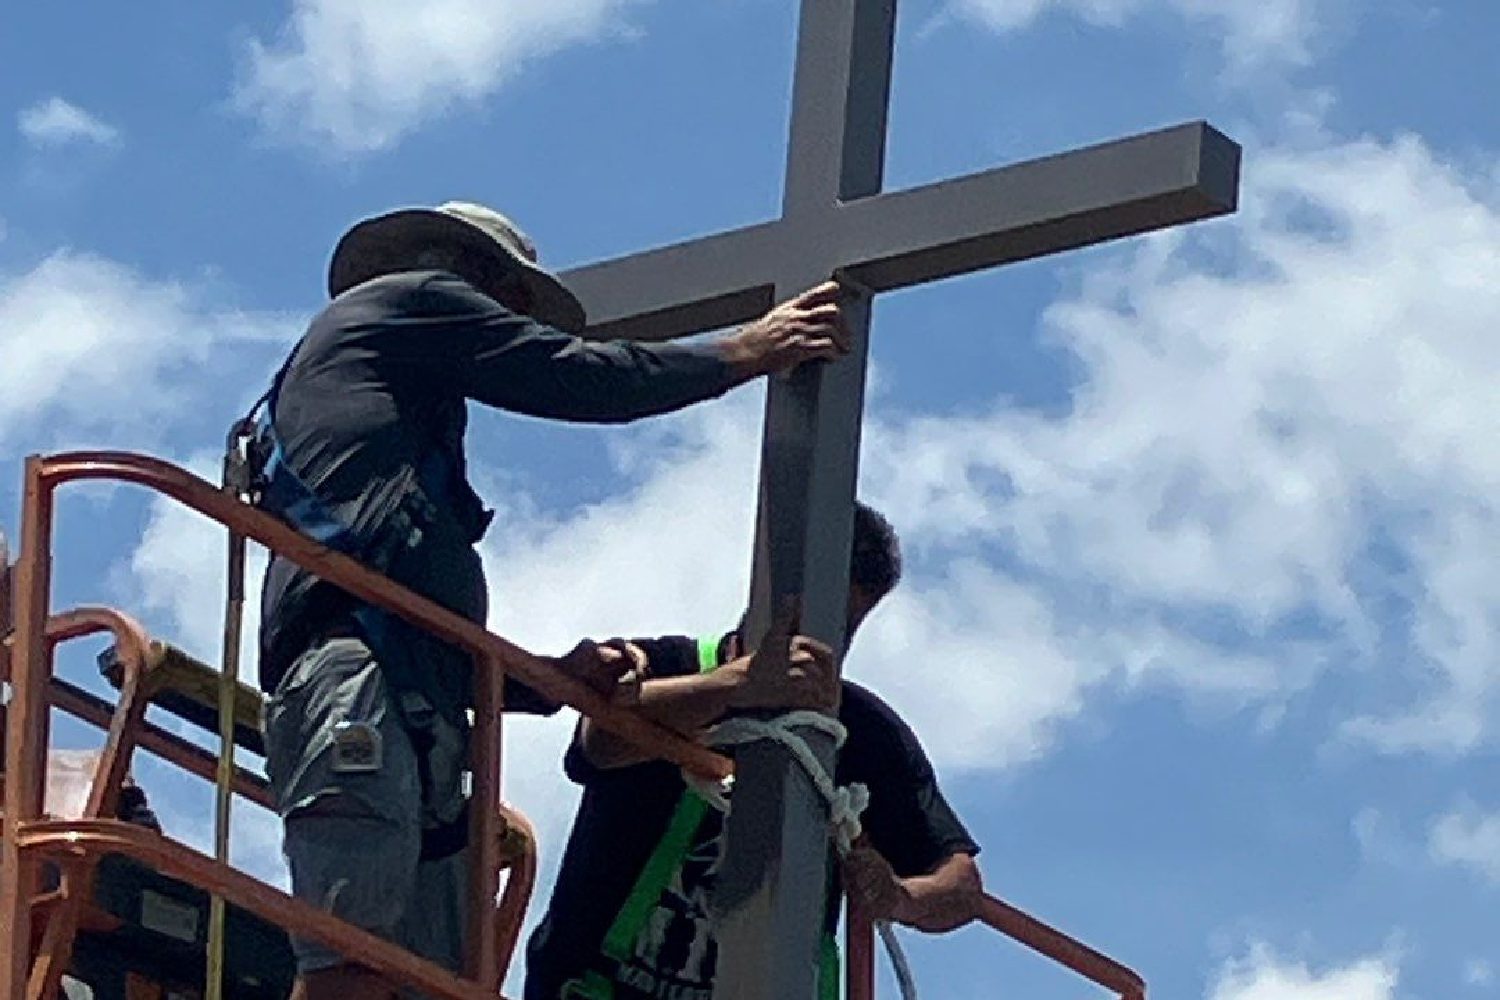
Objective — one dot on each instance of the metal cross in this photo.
(835, 221)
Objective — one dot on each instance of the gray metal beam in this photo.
(772, 886)
(770, 894)
(1044, 206)
(1173, 176)
(683, 289)
(840, 98)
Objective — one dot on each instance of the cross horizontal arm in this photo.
(1042, 206)
(679, 290)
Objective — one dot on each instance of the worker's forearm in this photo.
(945, 899)
(542, 373)
(505, 359)
(743, 362)
(685, 704)
(622, 381)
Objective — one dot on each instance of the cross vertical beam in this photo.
(772, 885)
(835, 221)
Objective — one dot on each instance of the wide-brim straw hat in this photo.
(395, 242)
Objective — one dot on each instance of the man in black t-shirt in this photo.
(630, 918)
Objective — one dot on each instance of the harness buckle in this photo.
(240, 474)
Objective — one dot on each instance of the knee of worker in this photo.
(361, 869)
(432, 924)
(435, 925)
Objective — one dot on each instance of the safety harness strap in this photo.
(278, 489)
(664, 861)
(669, 853)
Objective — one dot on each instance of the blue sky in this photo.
(1201, 623)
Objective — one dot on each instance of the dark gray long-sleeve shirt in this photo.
(382, 379)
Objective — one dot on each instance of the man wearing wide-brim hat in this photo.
(366, 723)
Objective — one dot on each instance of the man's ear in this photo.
(860, 606)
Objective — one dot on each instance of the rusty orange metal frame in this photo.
(44, 475)
(5, 629)
(64, 909)
(504, 836)
(114, 762)
(1000, 916)
(859, 953)
(510, 915)
(1061, 948)
(35, 634)
(56, 950)
(165, 744)
(70, 841)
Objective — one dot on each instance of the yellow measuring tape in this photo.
(234, 610)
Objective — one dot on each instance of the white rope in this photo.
(845, 803)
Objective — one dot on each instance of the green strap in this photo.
(708, 654)
(828, 969)
(667, 858)
(592, 986)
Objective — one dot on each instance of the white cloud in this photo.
(185, 806)
(174, 582)
(673, 555)
(1470, 839)
(1279, 450)
(1277, 440)
(355, 76)
(1253, 32)
(56, 122)
(1382, 841)
(93, 350)
(95, 354)
(1263, 976)
(176, 577)
(1478, 972)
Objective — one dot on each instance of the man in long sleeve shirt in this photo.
(431, 309)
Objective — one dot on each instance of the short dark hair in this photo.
(875, 562)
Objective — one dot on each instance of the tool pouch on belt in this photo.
(442, 836)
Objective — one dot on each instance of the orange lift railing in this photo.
(32, 963)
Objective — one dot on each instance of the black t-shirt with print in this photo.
(625, 811)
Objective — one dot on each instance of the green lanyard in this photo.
(668, 856)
